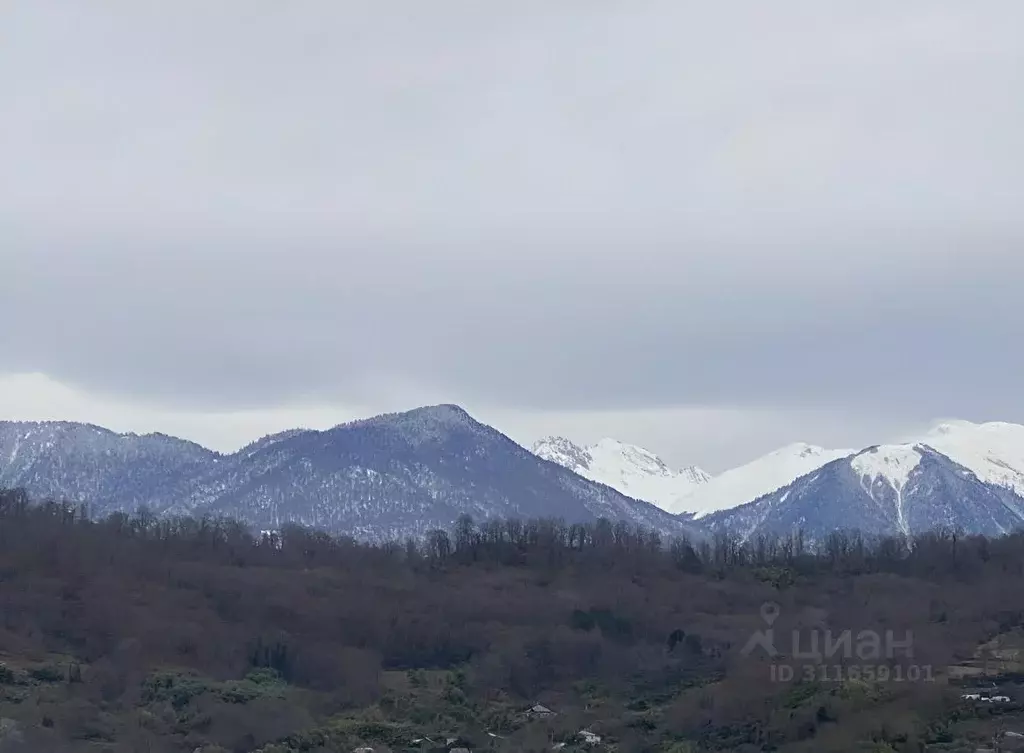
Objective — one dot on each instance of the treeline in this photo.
(940, 551)
(540, 542)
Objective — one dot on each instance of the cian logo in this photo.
(845, 649)
(765, 639)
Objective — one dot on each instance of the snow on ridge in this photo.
(696, 474)
(799, 449)
(894, 463)
(641, 474)
(628, 459)
(994, 451)
(563, 451)
(757, 478)
(629, 469)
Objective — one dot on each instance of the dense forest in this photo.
(134, 633)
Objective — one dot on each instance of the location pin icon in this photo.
(770, 612)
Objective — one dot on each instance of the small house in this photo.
(589, 738)
(540, 712)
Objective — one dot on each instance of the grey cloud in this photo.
(617, 333)
(572, 206)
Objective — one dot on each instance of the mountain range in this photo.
(689, 491)
(390, 476)
(958, 475)
(401, 474)
(884, 490)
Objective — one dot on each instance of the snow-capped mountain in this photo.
(388, 476)
(740, 485)
(632, 470)
(401, 474)
(994, 451)
(886, 490)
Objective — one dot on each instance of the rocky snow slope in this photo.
(632, 470)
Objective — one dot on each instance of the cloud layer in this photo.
(573, 207)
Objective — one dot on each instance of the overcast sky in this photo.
(706, 228)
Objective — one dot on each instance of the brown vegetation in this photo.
(138, 634)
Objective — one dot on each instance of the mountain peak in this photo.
(553, 440)
(444, 412)
(429, 423)
(563, 451)
(894, 463)
(697, 474)
(608, 452)
(993, 450)
(443, 408)
(630, 469)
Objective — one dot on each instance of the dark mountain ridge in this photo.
(388, 476)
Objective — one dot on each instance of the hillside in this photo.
(134, 635)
